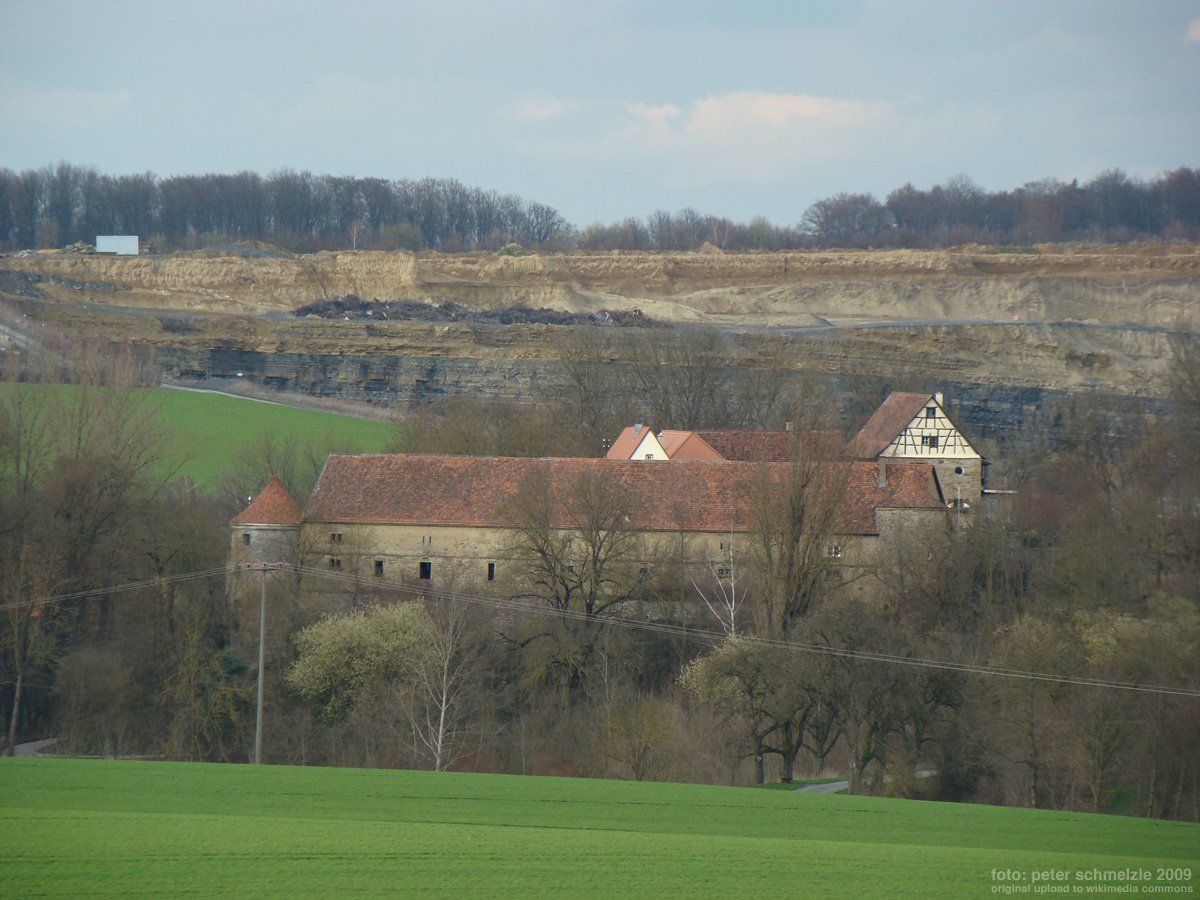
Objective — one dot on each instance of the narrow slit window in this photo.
(491, 571)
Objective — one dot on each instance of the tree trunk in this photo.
(16, 710)
(853, 742)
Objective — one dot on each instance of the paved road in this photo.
(33, 748)
(834, 787)
(830, 787)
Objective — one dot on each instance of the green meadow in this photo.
(212, 431)
(99, 827)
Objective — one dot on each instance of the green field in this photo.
(75, 827)
(211, 431)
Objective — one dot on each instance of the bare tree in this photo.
(577, 553)
(721, 592)
(796, 510)
(440, 714)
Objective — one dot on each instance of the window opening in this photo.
(425, 570)
(246, 538)
(379, 568)
(491, 571)
(335, 562)
(335, 537)
(929, 440)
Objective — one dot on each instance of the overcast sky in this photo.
(610, 108)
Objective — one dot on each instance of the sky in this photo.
(606, 109)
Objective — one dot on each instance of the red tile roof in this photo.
(627, 442)
(888, 421)
(687, 445)
(273, 506)
(769, 446)
(697, 496)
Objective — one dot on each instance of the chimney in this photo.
(882, 472)
(637, 429)
(788, 426)
(937, 398)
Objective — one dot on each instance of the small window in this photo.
(335, 562)
(491, 571)
(834, 551)
(724, 571)
(958, 470)
(930, 412)
(649, 456)
(379, 568)
(425, 570)
(335, 537)
(246, 538)
(929, 440)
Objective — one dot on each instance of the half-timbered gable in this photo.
(910, 427)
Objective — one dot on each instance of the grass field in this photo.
(73, 827)
(211, 430)
(214, 429)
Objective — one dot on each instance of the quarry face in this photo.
(999, 330)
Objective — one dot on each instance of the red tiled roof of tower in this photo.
(685, 495)
(889, 420)
(273, 506)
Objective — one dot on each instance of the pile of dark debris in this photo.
(352, 308)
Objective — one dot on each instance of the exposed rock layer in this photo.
(1003, 328)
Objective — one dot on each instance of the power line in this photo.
(90, 593)
(667, 628)
(772, 643)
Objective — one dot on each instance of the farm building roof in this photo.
(699, 496)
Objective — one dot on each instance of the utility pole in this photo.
(262, 641)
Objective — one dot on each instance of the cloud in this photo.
(1193, 31)
(655, 114)
(26, 106)
(747, 135)
(538, 108)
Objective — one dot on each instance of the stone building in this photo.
(691, 495)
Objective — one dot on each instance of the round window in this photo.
(958, 470)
